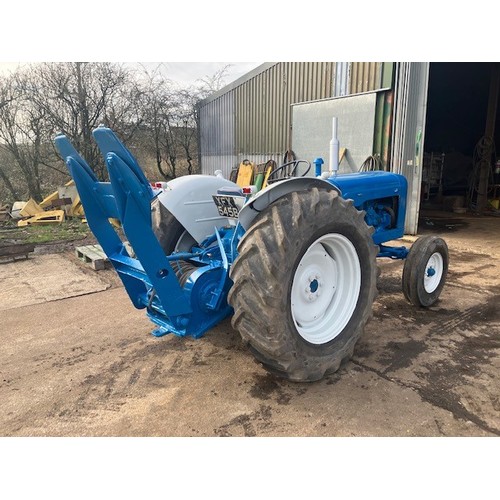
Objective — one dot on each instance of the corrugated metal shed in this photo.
(263, 104)
(365, 76)
(251, 118)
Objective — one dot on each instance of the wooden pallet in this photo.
(94, 255)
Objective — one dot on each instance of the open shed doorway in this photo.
(458, 101)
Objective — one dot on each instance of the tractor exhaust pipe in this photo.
(334, 148)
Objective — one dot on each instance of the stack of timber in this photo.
(14, 252)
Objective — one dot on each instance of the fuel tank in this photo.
(366, 186)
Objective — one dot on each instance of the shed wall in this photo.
(253, 117)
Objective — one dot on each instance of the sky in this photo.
(183, 73)
(188, 72)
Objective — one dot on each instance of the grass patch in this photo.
(68, 230)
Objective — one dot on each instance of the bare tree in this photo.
(78, 97)
(41, 100)
(179, 136)
(210, 84)
(22, 133)
(171, 118)
(5, 161)
(146, 110)
(168, 121)
(188, 127)
(155, 100)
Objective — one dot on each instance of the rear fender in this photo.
(189, 200)
(277, 190)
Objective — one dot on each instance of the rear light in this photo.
(159, 185)
(249, 189)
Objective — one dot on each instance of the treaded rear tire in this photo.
(269, 254)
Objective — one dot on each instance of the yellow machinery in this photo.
(47, 217)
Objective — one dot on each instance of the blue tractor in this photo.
(294, 264)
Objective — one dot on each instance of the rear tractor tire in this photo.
(169, 231)
(304, 284)
(172, 237)
(425, 270)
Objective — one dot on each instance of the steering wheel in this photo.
(289, 170)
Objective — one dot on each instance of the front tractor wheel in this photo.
(304, 284)
(425, 270)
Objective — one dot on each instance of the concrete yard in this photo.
(78, 360)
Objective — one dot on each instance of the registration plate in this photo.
(228, 206)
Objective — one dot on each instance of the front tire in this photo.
(425, 270)
(304, 284)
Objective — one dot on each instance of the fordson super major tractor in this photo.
(293, 264)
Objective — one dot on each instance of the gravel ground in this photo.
(78, 360)
(86, 365)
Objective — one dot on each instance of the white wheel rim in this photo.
(325, 288)
(433, 272)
